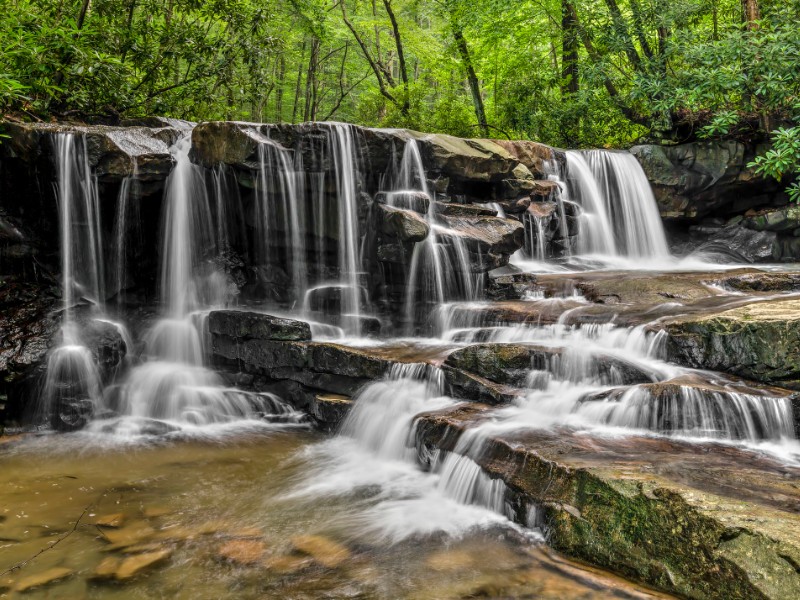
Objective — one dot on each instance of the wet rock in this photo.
(323, 550)
(331, 299)
(288, 565)
(533, 155)
(329, 410)
(110, 520)
(242, 552)
(242, 325)
(511, 364)
(488, 235)
(758, 341)
(134, 533)
(739, 244)
(41, 579)
(693, 180)
(782, 219)
(450, 209)
(657, 514)
(509, 283)
(517, 206)
(475, 388)
(762, 282)
(466, 159)
(227, 142)
(545, 190)
(403, 225)
(133, 565)
(409, 200)
(113, 152)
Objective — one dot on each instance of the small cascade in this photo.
(82, 267)
(535, 240)
(344, 160)
(172, 386)
(440, 269)
(280, 213)
(127, 218)
(72, 387)
(694, 412)
(597, 234)
(375, 458)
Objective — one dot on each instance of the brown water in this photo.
(216, 518)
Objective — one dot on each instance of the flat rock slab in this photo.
(697, 520)
(759, 341)
(246, 325)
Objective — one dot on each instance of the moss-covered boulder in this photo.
(724, 527)
(759, 341)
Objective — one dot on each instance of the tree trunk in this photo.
(472, 78)
(569, 70)
(299, 82)
(569, 51)
(279, 91)
(400, 56)
(751, 13)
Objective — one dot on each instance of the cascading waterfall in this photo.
(439, 270)
(72, 386)
(620, 216)
(172, 385)
(375, 454)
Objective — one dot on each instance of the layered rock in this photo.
(647, 508)
(694, 180)
(758, 341)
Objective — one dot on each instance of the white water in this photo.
(374, 459)
(72, 384)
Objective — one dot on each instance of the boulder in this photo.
(468, 386)
(227, 142)
(693, 180)
(243, 325)
(403, 225)
(329, 410)
(782, 219)
(511, 364)
(533, 155)
(488, 235)
(113, 152)
(450, 209)
(739, 244)
(758, 341)
(466, 159)
(409, 200)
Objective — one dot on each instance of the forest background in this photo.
(570, 73)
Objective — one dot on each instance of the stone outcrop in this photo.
(724, 527)
(758, 341)
(691, 181)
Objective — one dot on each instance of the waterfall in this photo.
(440, 269)
(344, 160)
(620, 216)
(173, 385)
(280, 212)
(72, 387)
(82, 268)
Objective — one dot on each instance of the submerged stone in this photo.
(322, 549)
(41, 579)
(242, 552)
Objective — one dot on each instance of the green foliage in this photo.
(783, 159)
(661, 68)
